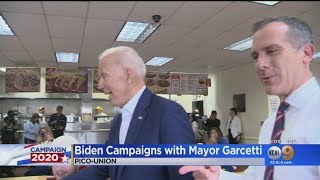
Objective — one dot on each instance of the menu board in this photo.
(96, 78)
(66, 80)
(22, 80)
(158, 83)
(177, 83)
(194, 84)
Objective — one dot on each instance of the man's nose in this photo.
(263, 62)
(100, 84)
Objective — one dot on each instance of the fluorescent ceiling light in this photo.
(241, 45)
(4, 28)
(159, 61)
(269, 3)
(136, 32)
(3, 69)
(67, 57)
(316, 55)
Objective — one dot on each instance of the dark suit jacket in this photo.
(163, 122)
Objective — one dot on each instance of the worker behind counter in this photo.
(100, 116)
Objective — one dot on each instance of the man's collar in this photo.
(306, 91)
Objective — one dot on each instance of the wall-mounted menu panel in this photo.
(66, 80)
(22, 80)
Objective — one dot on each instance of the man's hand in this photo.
(238, 138)
(202, 172)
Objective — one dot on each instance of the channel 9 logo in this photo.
(275, 152)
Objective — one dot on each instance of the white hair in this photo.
(65, 140)
(127, 57)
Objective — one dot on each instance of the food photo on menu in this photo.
(68, 81)
(22, 80)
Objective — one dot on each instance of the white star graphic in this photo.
(64, 159)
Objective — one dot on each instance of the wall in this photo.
(242, 80)
(315, 68)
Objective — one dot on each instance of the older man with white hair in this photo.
(144, 117)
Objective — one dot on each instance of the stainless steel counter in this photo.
(94, 136)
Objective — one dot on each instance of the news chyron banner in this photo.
(34, 155)
(147, 154)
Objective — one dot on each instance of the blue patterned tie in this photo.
(276, 135)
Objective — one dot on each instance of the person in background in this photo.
(32, 128)
(213, 121)
(42, 110)
(9, 128)
(58, 122)
(42, 118)
(216, 137)
(99, 112)
(283, 49)
(145, 118)
(234, 127)
(200, 135)
(8, 137)
(196, 116)
(45, 136)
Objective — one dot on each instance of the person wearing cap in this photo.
(9, 128)
(99, 112)
(42, 110)
(42, 118)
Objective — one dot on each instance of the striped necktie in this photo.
(276, 135)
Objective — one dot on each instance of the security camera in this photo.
(156, 18)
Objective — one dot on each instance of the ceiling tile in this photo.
(132, 45)
(17, 55)
(5, 63)
(66, 8)
(103, 29)
(39, 48)
(66, 45)
(92, 49)
(66, 27)
(33, 7)
(111, 10)
(167, 35)
(144, 10)
(3, 57)
(36, 43)
(25, 64)
(46, 64)
(186, 15)
(68, 65)
(10, 43)
(27, 24)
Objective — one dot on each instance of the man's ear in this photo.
(308, 50)
(128, 74)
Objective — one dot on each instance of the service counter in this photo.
(94, 136)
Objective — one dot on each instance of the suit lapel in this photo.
(139, 115)
(115, 129)
(114, 139)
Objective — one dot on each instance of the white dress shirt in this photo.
(101, 119)
(302, 125)
(235, 126)
(127, 112)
